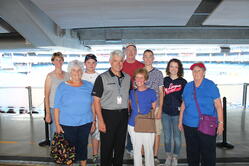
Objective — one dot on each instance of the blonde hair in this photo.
(142, 71)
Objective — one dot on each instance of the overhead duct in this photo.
(225, 49)
(113, 36)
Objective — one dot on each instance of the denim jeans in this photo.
(129, 146)
(52, 127)
(170, 129)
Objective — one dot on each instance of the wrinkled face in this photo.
(140, 80)
(76, 73)
(90, 65)
(198, 73)
(148, 58)
(58, 62)
(130, 53)
(116, 63)
(173, 68)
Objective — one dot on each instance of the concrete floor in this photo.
(21, 133)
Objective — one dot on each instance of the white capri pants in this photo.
(142, 139)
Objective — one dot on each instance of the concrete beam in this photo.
(168, 35)
(6, 27)
(15, 44)
(205, 9)
(35, 26)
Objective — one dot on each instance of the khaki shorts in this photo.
(158, 124)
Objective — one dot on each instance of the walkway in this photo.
(20, 135)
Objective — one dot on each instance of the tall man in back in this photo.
(129, 67)
(155, 82)
(130, 63)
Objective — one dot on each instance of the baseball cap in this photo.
(130, 44)
(90, 56)
(200, 64)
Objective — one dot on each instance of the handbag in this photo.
(207, 123)
(61, 151)
(144, 123)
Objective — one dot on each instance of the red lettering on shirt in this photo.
(172, 88)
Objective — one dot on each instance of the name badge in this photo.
(119, 100)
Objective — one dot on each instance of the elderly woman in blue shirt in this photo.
(73, 110)
(201, 148)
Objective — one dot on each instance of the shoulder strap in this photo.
(136, 98)
(195, 98)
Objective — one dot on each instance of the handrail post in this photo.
(224, 119)
(46, 141)
(224, 143)
(30, 99)
(244, 95)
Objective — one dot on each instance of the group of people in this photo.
(82, 102)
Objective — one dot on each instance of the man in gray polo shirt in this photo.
(111, 93)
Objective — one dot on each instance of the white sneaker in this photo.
(168, 161)
(96, 159)
(174, 161)
(156, 161)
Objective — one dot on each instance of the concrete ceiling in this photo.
(118, 13)
(230, 13)
(77, 23)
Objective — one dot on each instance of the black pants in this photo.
(113, 141)
(200, 147)
(78, 137)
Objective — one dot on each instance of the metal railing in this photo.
(236, 94)
(244, 99)
(26, 99)
(33, 97)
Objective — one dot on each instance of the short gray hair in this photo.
(75, 63)
(117, 53)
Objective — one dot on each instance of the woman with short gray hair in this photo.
(75, 63)
(73, 110)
